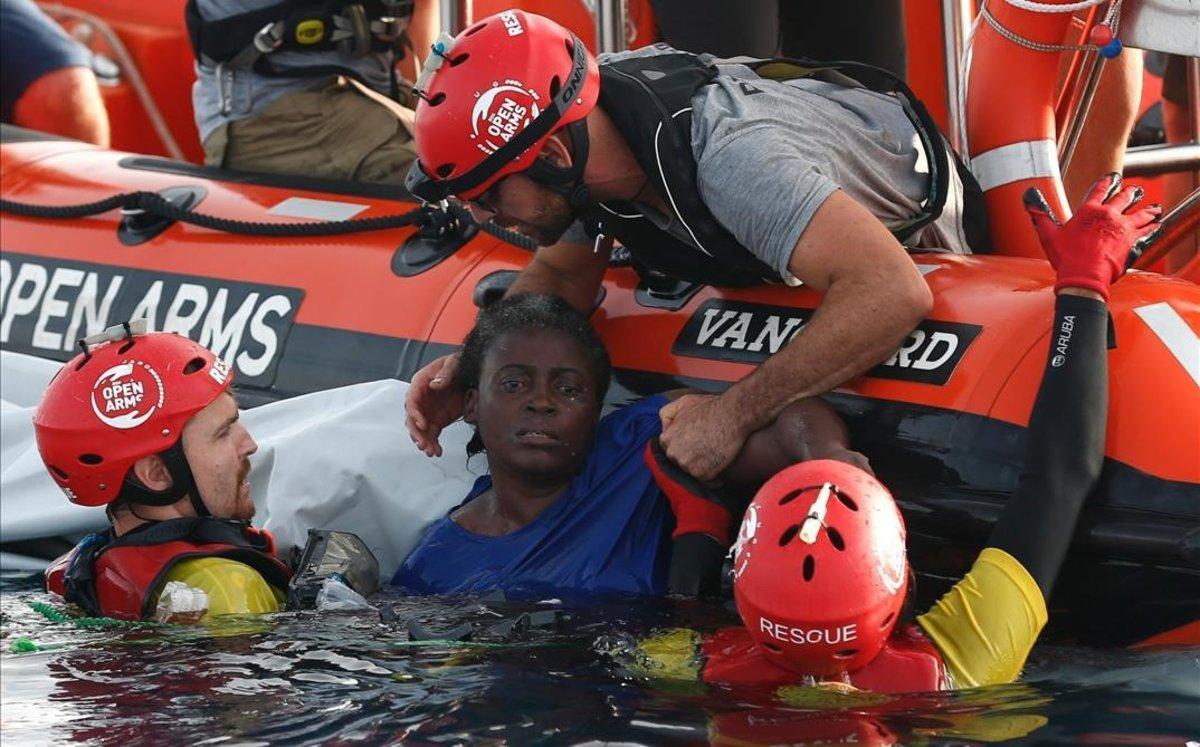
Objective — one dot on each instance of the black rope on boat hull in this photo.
(437, 219)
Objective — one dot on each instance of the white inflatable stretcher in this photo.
(336, 459)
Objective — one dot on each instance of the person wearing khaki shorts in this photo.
(333, 131)
(294, 116)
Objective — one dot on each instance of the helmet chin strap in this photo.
(566, 181)
(183, 482)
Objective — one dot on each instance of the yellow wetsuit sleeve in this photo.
(233, 588)
(986, 625)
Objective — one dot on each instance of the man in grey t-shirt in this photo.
(309, 123)
(794, 181)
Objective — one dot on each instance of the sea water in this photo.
(296, 678)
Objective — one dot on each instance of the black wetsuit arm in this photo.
(1065, 443)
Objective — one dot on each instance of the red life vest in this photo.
(118, 576)
(909, 662)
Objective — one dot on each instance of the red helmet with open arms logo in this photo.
(126, 397)
(492, 97)
(820, 571)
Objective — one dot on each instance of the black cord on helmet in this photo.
(566, 180)
(183, 482)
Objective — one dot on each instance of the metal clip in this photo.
(269, 37)
(389, 28)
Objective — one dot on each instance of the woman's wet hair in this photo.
(529, 311)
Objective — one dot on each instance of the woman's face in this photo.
(536, 405)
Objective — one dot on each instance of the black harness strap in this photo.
(303, 27)
(650, 100)
(245, 547)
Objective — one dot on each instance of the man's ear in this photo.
(152, 472)
(470, 406)
(556, 150)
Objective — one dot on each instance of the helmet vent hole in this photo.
(835, 537)
(845, 653)
(92, 459)
(555, 85)
(810, 567)
(59, 473)
(846, 500)
(476, 29)
(887, 620)
(789, 534)
(440, 96)
(791, 497)
(455, 62)
(125, 348)
(445, 170)
(773, 648)
(194, 365)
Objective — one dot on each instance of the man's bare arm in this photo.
(67, 102)
(573, 272)
(873, 297)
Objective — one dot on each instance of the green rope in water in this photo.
(56, 616)
(25, 645)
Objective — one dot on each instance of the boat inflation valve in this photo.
(139, 225)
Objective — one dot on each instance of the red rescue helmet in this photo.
(820, 571)
(492, 97)
(126, 398)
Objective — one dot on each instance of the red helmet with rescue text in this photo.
(820, 571)
(492, 97)
(126, 397)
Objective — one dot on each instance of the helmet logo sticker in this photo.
(893, 569)
(126, 395)
(501, 112)
(746, 536)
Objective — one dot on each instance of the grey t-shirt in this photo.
(769, 153)
(246, 92)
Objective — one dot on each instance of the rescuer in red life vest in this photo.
(819, 566)
(145, 425)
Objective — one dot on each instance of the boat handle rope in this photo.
(438, 219)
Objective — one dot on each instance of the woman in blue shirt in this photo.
(570, 506)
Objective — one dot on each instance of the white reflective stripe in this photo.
(667, 187)
(619, 215)
(304, 207)
(1032, 159)
(1180, 339)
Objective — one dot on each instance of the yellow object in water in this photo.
(233, 588)
(986, 625)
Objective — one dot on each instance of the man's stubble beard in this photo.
(555, 215)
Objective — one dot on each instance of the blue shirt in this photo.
(608, 534)
(31, 45)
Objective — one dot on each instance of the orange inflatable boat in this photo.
(942, 420)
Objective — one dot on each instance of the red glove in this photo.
(1093, 249)
(697, 509)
